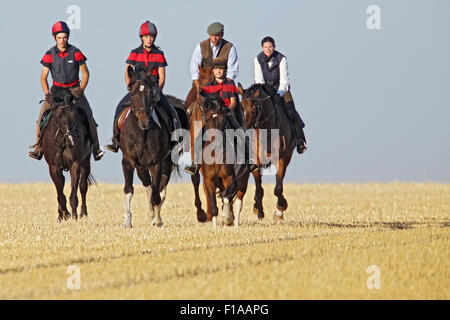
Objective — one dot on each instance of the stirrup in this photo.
(99, 154)
(192, 170)
(36, 154)
(301, 147)
(113, 147)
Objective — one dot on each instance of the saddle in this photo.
(158, 114)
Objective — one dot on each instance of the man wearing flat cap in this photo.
(213, 47)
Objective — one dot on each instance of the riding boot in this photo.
(114, 146)
(96, 151)
(37, 152)
(292, 113)
(234, 124)
(195, 166)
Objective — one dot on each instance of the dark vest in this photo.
(64, 70)
(271, 75)
(207, 54)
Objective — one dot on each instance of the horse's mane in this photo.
(262, 88)
(60, 96)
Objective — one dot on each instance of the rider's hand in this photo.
(77, 92)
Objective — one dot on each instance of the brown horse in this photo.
(145, 147)
(260, 113)
(66, 146)
(194, 110)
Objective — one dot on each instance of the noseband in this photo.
(258, 111)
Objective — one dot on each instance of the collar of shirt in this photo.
(64, 53)
(215, 49)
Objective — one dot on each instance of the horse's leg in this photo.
(85, 172)
(144, 175)
(229, 185)
(242, 189)
(210, 193)
(128, 172)
(278, 191)
(156, 171)
(58, 180)
(74, 180)
(201, 215)
(259, 194)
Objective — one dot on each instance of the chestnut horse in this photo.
(193, 102)
(260, 113)
(66, 146)
(145, 147)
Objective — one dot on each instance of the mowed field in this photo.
(330, 236)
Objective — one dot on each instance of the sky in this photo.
(376, 102)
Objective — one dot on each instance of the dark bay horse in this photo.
(261, 114)
(216, 168)
(145, 147)
(66, 146)
(194, 102)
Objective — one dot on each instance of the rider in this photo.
(64, 62)
(271, 68)
(146, 56)
(204, 53)
(228, 92)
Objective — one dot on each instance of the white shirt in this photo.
(233, 63)
(285, 81)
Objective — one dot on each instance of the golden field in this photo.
(330, 236)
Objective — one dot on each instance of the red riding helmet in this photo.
(148, 28)
(60, 26)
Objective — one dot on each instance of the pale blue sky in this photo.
(376, 103)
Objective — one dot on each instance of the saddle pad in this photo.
(121, 118)
(124, 115)
(44, 120)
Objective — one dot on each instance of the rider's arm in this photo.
(259, 77)
(232, 103)
(233, 64)
(162, 77)
(44, 83)
(196, 61)
(284, 78)
(84, 75)
(127, 77)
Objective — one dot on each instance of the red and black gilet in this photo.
(64, 65)
(227, 90)
(143, 60)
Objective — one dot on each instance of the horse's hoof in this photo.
(75, 217)
(157, 224)
(127, 225)
(255, 209)
(278, 218)
(282, 205)
(201, 216)
(261, 215)
(228, 221)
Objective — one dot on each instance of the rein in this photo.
(258, 108)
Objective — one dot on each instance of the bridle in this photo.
(258, 111)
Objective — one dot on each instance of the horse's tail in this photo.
(91, 180)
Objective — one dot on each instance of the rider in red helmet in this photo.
(65, 62)
(145, 57)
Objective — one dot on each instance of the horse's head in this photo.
(64, 112)
(205, 75)
(249, 104)
(214, 112)
(144, 95)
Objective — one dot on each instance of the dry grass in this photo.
(331, 234)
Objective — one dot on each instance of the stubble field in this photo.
(330, 236)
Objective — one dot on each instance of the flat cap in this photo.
(215, 29)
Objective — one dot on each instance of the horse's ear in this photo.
(240, 89)
(131, 73)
